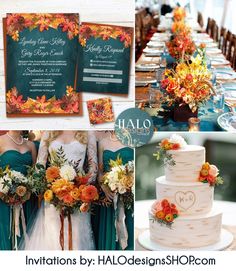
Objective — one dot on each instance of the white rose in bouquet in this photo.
(67, 172)
(19, 176)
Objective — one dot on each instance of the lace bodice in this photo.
(74, 151)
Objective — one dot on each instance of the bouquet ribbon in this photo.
(62, 237)
(17, 218)
(120, 226)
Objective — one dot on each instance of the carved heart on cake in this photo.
(185, 200)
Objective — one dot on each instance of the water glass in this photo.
(213, 76)
(154, 95)
(218, 99)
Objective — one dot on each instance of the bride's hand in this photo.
(109, 194)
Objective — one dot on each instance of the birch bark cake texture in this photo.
(184, 216)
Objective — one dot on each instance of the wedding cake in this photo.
(183, 216)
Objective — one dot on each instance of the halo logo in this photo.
(134, 127)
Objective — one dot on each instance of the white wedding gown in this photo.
(46, 231)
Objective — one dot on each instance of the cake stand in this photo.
(226, 238)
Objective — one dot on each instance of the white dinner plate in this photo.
(227, 121)
(225, 75)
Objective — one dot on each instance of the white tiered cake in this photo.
(198, 223)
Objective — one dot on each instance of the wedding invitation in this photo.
(104, 58)
(41, 64)
(50, 60)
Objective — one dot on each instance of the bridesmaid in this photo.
(18, 153)
(109, 148)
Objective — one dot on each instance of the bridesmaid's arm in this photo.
(107, 191)
(92, 157)
(43, 150)
(33, 151)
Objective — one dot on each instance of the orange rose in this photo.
(68, 199)
(175, 146)
(165, 203)
(21, 190)
(89, 193)
(160, 215)
(52, 173)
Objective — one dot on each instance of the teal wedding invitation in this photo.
(50, 59)
(41, 64)
(104, 58)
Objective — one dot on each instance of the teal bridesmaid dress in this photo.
(19, 162)
(106, 231)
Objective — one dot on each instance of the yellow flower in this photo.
(69, 90)
(48, 195)
(15, 36)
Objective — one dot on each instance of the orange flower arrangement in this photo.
(164, 212)
(181, 46)
(17, 22)
(188, 84)
(69, 103)
(105, 32)
(210, 174)
(179, 14)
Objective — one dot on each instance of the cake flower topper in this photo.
(164, 212)
(210, 174)
(175, 142)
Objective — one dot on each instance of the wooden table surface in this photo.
(113, 12)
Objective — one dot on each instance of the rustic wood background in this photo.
(97, 11)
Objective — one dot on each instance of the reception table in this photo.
(164, 122)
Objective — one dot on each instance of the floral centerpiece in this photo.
(179, 14)
(164, 212)
(210, 174)
(181, 46)
(187, 87)
(15, 189)
(175, 142)
(66, 187)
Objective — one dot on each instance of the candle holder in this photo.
(194, 124)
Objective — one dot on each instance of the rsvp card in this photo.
(104, 58)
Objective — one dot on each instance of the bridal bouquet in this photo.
(66, 186)
(15, 188)
(120, 179)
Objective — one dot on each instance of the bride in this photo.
(77, 146)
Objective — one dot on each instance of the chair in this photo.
(226, 43)
(231, 56)
(209, 26)
(215, 31)
(223, 33)
(200, 19)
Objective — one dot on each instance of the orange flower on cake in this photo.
(164, 212)
(210, 174)
(175, 142)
